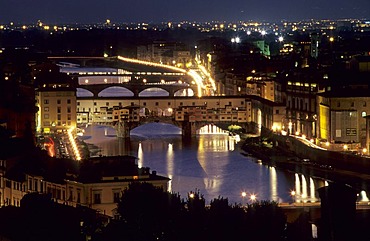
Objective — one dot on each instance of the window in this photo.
(59, 102)
(277, 112)
(338, 104)
(156, 103)
(107, 103)
(46, 109)
(59, 110)
(70, 197)
(94, 103)
(46, 116)
(78, 103)
(30, 184)
(78, 196)
(46, 101)
(116, 197)
(169, 103)
(97, 198)
(68, 101)
(352, 104)
(69, 117)
(144, 103)
(363, 114)
(68, 109)
(59, 117)
(36, 185)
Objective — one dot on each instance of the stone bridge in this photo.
(189, 129)
(137, 88)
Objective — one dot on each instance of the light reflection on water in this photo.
(211, 164)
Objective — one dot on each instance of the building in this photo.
(17, 105)
(169, 53)
(55, 98)
(301, 90)
(98, 183)
(342, 117)
(265, 86)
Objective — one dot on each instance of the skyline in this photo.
(68, 11)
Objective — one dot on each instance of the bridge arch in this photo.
(210, 129)
(153, 91)
(160, 127)
(185, 92)
(115, 91)
(81, 92)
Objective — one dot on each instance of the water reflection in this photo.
(140, 156)
(170, 164)
(211, 163)
(273, 184)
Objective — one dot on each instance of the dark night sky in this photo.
(92, 11)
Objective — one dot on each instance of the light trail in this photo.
(198, 80)
(206, 73)
(192, 73)
(147, 63)
(74, 145)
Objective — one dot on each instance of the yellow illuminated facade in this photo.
(57, 109)
(342, 119)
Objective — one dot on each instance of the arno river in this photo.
(210, 163)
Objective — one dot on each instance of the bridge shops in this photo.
(189, 113)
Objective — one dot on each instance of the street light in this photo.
(191, 195)
(292, 193)
(253, 197)
(244, 194)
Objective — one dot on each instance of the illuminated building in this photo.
(56, 99)
(301, 91)
(99, 184)
(164, 52)
(341, 116)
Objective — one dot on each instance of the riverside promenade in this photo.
(291, 154)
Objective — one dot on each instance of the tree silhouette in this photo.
(150, 213)
(266, 221)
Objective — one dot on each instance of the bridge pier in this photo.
(123, 130)
(189, 129)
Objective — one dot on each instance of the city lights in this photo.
(73, 143)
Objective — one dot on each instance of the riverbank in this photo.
(278, 154)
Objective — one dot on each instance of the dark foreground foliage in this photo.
(149, 213)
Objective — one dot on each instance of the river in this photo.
(210, 163)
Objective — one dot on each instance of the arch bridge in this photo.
(189, 129)
(137, 88)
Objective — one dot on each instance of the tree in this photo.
(266, 221)
(150, 212)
